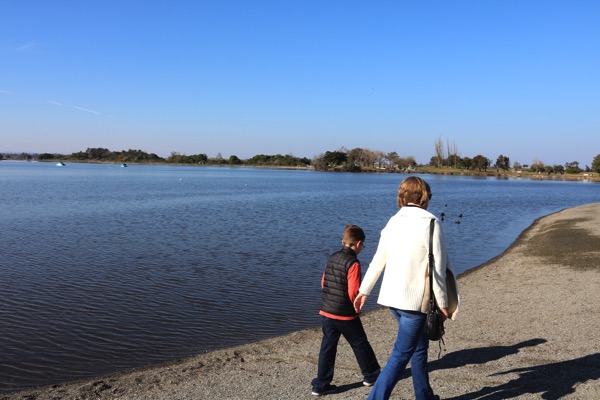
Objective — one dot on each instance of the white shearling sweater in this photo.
(403, 252)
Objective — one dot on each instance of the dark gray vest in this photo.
(335, 285)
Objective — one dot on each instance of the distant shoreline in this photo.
(581, 177)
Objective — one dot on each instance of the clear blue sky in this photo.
(519, 78)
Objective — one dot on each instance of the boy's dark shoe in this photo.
(326, 390)
(369, 380)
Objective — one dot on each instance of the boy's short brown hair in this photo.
(352, 235)
(413, 190)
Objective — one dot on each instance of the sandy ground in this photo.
(528, 328)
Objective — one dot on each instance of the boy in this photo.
(340, 283)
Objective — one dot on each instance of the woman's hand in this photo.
(359, 302)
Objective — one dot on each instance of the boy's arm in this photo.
(354, 275)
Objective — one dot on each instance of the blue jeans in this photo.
(354, 333)
(411, 345)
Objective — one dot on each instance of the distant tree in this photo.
(178, 158)
(466, 163)
(453, 160)
(503, 163)
(439, 152)
(329, 160)
(371, 157)
(596, 164)
(453, 157)
(135, 155)
(259, 159)
(286, 160)
(405, 163)
(175, 157)
(392, 160)
(558, 169)
(24, 156)
(537, 166)
(200, 158)
(278, 160)
(572, 167)
(80, 156)
(154, 157)
(356, 156)
(379, 159)
(517, 166)
(305, 162)
(335, 158)
(218, 160)
(481, 163)
(435, 161)
(318, 163)
(45, 156)
(234, 160)
(351, 168)
(98, 153)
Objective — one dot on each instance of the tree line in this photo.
(342, 159)
(448, 157)
(139, 156)
(359, 159)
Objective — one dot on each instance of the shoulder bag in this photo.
(434, 324)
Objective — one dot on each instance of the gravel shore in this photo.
(528, 328)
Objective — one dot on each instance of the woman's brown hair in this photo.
(413, 190)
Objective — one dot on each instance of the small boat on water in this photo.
(60, 164)
(124, 165)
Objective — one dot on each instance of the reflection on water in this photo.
(105, 268)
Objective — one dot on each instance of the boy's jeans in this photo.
(354, 333)
(411, 345)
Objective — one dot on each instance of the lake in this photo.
(104, 268)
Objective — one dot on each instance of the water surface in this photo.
(105, 268)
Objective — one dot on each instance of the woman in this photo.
(403, 252)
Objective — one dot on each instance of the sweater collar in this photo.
(414, 210)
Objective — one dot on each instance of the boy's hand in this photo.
(359, 302)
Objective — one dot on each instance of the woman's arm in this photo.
(441, 263)
(375, 267)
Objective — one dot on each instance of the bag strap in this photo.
(431, 265)
(432, 305)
